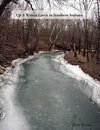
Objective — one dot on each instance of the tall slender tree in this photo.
(98, 43)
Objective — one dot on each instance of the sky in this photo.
(65, 9)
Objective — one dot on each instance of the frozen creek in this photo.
(44, 92)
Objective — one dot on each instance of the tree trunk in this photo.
(51, 45)
(85, 53)
(98, 44)
(79, 44)
(3, 5)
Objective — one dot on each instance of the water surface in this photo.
(52, 100)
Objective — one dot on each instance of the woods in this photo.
(24, 37)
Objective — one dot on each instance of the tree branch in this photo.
(28, 2)
(4, 4)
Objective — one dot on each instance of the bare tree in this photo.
(4, 3)
(98, 44)
(51, 39)
(84, 6)
(80, 35)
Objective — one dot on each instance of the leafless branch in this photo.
(28, 2)
(50, 38)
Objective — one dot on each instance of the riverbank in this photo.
(90, 68)
(89, 86)
(10, 53)
(7, 59)
(8, 102)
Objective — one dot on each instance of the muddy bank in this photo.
(90, 68)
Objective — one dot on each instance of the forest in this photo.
(20, 38)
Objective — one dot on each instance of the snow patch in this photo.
(11, 115)
(92, 86)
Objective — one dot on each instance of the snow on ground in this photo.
(92, 87)
(11, 114)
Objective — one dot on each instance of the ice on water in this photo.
(92, 86)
